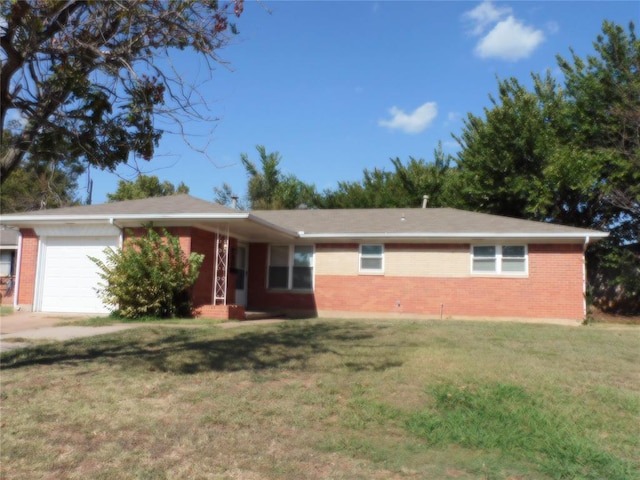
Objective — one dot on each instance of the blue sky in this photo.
(339, 87)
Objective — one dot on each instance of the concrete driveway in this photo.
(37, 325)
(50, 326)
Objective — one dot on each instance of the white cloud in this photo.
(484, 15)
(510, 40)
(414, 122)
(502, 35)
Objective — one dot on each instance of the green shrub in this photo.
(149, 276)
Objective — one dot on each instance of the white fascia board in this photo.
(458, 236)
(33, 219)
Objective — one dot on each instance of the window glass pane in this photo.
(371, 249)
(279, 256)
(5, 263)
(484, 265)
(513, 265)
(370, 263)
(303, 256)
(302, 277)
(484, 251)
(239, 279)
(513, 251)
(278, 277)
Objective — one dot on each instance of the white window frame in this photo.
(362, 256)
(499, 261)
(291, 265)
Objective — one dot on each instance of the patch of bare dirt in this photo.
(603, 317)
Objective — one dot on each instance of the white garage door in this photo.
(69, 278)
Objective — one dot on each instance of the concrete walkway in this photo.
(51, 326)
(46, 326)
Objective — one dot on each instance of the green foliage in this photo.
(74, 71)
(270, 189)
(149, 277)
(568, 155)
(38, 183)
(224, 195)
(508, 419)
(145, 186)
(404, 187)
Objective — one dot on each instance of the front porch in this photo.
(233, 312)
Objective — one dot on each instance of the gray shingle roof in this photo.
(352, 223)
(399, 221)
(173, 204)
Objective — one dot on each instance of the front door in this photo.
(241, 275)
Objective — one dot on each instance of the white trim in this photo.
(16, 285)
(40, 264)
(93, 230)
(498, 261)
(31, 219)
(370, 271)
(476, 235)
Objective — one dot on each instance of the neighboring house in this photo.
(430, 262)
(8, 249)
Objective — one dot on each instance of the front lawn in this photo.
(320, 399)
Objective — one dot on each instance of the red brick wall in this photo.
(552, 289)
(204, 242)
(259, 298)
(28, 262)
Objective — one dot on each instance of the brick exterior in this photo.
(28, 262)
(553, 288)
(260, 298)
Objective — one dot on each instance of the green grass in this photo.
(326, 399)
(5, 310)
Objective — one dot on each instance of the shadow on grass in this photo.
(188, 351)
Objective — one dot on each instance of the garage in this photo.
(68, 278)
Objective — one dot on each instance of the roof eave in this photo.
(25, 220)
(588, 237)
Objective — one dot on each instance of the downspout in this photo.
(584, 276)
(16, 283)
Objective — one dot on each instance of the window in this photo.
(291, 267)
(6, 263)
(371, 258)
(504, 259)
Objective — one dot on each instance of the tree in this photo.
(225, 195)
(605, 93)
(404, 187)
(39, 184)
(270, 189)
(145, 186)
(82, 79)
(568, 155)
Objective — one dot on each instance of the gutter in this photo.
(584, 276)
(444, 236)
(31, 219)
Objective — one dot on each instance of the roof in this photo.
(409, 222)
(172, 204)
(386, 224)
